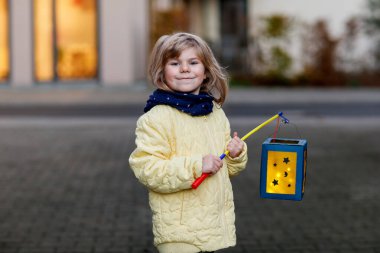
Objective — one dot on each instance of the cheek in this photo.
(202, 73)
(168, 73)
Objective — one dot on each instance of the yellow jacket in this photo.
(167, 160)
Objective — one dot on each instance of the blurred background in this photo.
(260, 42)
(73, 84)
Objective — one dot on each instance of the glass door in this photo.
(66, 45)
(43, 40)
(4, 40)
(234, 35)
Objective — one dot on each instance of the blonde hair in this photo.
(170, 46)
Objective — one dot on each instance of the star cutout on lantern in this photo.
(275, 182)
(285, 174)
(286, 160)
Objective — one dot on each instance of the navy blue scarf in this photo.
(195, 105)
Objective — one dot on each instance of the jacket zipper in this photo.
(225, 232)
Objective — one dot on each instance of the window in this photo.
(234, 36)
(4, 40)
(65, 40)
(43, 40)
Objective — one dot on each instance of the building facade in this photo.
(72, 41)
(58, 42)
(107, 42)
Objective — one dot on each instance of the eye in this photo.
(173, 63)
(194, 62)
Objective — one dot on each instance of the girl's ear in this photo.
(206, 76)
(205, 80)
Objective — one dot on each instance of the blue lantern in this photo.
(283, 168)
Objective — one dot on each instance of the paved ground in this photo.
(65, 186)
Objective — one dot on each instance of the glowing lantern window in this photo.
(283, 169)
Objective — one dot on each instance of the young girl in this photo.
(181, 136)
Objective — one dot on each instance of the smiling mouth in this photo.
(185, 77)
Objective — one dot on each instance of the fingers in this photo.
(235, 146)
(211, 164)
(235, 142)
(217, 164)
(236, 137)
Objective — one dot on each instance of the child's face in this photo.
(185, 73)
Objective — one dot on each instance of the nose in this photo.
(184, 67)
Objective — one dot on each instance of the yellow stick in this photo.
(259, 127)
(256, 129)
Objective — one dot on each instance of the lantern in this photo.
(283, 168)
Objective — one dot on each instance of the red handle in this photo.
(199, 180)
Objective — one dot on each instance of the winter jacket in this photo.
(167, 160)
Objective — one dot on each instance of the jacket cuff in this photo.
(197, 168)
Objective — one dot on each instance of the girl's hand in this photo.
(211, 164)
(235, 147)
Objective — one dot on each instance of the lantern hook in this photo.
(284, 120)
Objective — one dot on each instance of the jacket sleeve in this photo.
(152, 161)
(237, 164)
